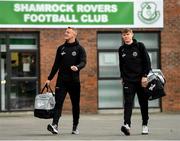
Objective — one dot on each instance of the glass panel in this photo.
(109, 40)
(22, 95)
(22, 47)
(14, 41)
(108, 64)
(154, 59)
(2, 43)
(23, 41)
(110, 94)
(150, 40)
(23, 64)
(114, 41)
(153, 103)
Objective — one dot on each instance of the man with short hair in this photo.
(135, 65)
(70, 59)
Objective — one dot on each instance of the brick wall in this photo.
(170, 54)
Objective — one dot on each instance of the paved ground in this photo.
(162, 126)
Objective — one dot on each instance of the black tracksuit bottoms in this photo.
(129, 90)
(73, 88)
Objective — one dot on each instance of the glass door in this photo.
(23, 54)
(19, 71)
(23, 80)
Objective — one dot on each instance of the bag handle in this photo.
(160, 73)
(47, 87)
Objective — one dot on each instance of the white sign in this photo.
(81, 14)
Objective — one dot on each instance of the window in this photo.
(109, 83)
(108, 64)
(110, 93)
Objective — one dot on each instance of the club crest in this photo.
(135, 54)
(74, 53)
(149, 13)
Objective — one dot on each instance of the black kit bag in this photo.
(155, 87)
(44, 103)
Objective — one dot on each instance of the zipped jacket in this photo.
(134, 61)
(67, 55)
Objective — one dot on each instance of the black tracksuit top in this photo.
(134, 61)
(67, 55)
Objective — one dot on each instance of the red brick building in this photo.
(92, 84)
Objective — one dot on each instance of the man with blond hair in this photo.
(70, 59)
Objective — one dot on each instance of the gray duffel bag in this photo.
(44, 103)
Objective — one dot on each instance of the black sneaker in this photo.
(125, 129)
(75, 130)
(52, 128)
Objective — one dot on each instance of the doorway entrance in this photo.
(19, 71)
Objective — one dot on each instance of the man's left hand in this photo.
(74, 68)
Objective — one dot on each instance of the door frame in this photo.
(7, 61)
(9, 71)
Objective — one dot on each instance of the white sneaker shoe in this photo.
(75, 130)
(145, 130)
(125, 129)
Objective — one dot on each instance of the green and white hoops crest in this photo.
(148, 13)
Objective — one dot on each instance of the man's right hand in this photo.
(47, 82)
(144, 82)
